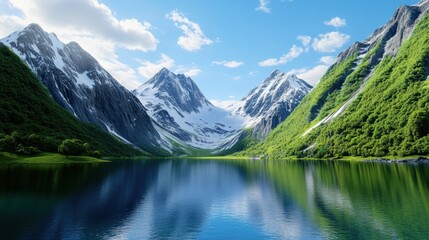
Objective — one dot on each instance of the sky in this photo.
(227, 47)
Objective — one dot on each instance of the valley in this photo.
(284, 116)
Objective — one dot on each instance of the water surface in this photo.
(191, 199)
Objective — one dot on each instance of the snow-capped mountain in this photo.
(185, 116)
(81, 86)
(271, 103)
(168, 111)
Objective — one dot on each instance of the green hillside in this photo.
(389, 117)
(26, 108)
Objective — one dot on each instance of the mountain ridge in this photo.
(270, 103)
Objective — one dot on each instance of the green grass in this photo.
(217, 158)
(391, 158)
(46, 158)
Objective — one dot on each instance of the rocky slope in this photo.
(269, 104)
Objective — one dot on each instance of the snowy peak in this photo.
(278, 87)
(176, 91)
(184, 116)
(271, 103)
(41, 50)
(391, 36)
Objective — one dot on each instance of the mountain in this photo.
(27, 107)
(80, 85)
(372, 102)
(186, 118)
(269, 104)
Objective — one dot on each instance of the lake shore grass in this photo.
(215, 158)
(46, 158)
(385, 158)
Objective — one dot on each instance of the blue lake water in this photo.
(195, 199)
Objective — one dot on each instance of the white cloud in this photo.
(313, 76)
(330, 42)
(293, 53)
(149, 69)
(305, 40)
(263, 6)
(194, 37)
(10, 23)
(336, 22)
(327, 60)
(88, 17)
(229, 64)
(190, 72)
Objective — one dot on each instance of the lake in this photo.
(196, 199)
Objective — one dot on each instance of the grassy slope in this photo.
(26, 106)
(390, 116)
(45, 158)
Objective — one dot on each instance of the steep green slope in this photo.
(26, 107)
(389, 117)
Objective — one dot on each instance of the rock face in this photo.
(79, 84)
(271, 103)
(186, 118)
(390, 36)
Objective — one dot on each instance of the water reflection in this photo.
(215, 200)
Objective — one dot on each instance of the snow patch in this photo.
(83, 79)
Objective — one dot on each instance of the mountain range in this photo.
(167, 113)
(373, 101)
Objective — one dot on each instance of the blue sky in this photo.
(227, 47)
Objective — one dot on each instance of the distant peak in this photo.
(275, 73)
(34, 27)
(164, 70)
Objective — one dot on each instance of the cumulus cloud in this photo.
(313, 75)
(327, 60)
(149, 69)
(190, 72)
(10, 23)
(330, 42)
(88, 17)
(194, 37)
(336, 22)
(305, 40)
(229, 64)
(263, 6)
(91, 24)
(293, 53)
